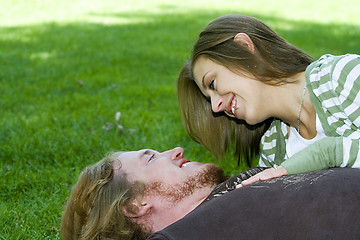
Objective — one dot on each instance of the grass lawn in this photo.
(67, 67)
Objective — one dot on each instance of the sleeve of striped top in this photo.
(326, 153)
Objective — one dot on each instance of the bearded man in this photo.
(129, 195)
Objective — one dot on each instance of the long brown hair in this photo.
(94, 207)
(274, 60)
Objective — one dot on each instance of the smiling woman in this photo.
(243, 97)
(278, 102)
(215, 131)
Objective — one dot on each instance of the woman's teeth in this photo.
(233, 107)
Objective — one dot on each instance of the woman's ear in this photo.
(244, 40)
(137, 209)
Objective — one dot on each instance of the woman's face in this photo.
(237, 95)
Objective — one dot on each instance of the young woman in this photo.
(246, 86)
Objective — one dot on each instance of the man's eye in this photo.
(152, 157)
(211, 85)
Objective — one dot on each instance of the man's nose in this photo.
(178, 153)
(217, 103)
(175, 154)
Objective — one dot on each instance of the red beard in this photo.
(210, 176)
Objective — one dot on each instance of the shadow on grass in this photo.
(61, 83)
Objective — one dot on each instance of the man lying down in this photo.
(147, 194)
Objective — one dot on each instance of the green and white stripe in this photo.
(334, 84)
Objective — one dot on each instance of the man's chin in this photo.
(211, 175)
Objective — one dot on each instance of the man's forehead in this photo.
(130, 156)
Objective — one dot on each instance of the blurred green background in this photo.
(67, 67)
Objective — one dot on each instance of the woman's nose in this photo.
(217, 104)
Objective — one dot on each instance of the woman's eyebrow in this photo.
(203, 80)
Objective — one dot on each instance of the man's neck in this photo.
(166, 213)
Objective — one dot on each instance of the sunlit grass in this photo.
(20, 12)
(67, 67)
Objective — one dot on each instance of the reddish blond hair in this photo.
(94, 207)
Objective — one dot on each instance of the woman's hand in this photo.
(265, 175)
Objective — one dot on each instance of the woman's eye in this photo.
(211, 85)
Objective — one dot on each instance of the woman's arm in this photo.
(326, 153)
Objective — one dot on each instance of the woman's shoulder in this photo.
(331, 67)
(334, 83)
(329, 59)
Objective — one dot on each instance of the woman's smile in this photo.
(234, 105)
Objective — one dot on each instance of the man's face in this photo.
(174, 186)
(168, 172)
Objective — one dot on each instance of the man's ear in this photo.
(137, 209)
(244, 40)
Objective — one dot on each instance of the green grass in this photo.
(67, 67)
